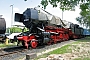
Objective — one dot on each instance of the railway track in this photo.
(16, 53)
(12, 50)
(9, 53)
(4, 53)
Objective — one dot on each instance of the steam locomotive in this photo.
(45, 28)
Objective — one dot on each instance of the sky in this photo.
(19, 6)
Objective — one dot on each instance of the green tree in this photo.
(13, 30)
(64, 4)
(84, 17)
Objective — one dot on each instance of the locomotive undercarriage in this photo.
(34, 37)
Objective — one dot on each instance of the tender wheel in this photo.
(34, 44)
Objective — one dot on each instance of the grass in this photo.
(86, 39)
(86, 58)
(61, 50)
(64, 49)
(9, 45)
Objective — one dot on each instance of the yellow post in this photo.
(6, 42)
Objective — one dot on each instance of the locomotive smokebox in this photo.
(31, 13)
(31, 16)
(28, 15)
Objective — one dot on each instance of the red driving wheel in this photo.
(34, 44)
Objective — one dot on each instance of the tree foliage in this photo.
(84, 15)
(16, 30)
(64, 4)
